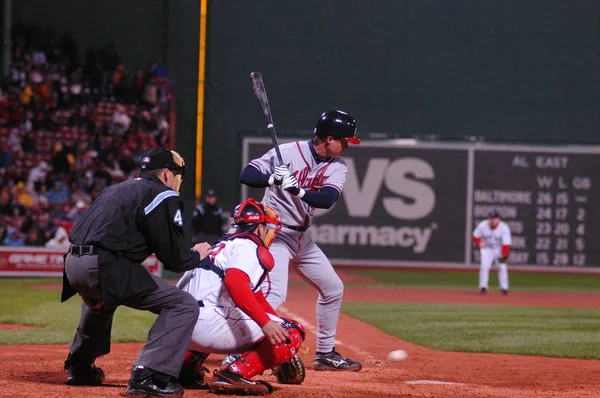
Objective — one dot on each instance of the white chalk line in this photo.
(433, 382)
(369, 358)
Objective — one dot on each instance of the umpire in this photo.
(127, 223)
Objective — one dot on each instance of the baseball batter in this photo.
(312, 176)
(493, 238)
(234, 315)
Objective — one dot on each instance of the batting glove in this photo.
(280, 173)
(290, 184)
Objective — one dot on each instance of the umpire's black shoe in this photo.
(144, 382)
(81, 376)
(334, 361)
(83, 372)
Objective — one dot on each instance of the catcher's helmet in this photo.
(337, 124)
(247, 216)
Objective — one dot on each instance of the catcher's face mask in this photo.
(273, 225)
(178, 170)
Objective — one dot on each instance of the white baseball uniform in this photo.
(495, 239)
(222, 327)
(297, 247)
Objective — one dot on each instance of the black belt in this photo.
(296, 228)
(200, 303)
(85, 250)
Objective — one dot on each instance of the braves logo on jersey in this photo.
(313, 183)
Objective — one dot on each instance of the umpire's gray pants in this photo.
(169, 336)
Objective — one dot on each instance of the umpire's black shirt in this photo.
(128, 222)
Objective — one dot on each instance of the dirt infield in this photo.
(6, 326)
(36, 371)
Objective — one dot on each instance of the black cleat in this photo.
(224, 381)
(504, 292)
(483, 290)
(334, 361)
(83, 372)
(147, 383)
(85, 376)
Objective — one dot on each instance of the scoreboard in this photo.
(547, 199)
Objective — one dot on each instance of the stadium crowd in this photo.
(70, 126)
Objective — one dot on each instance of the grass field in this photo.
(20, 303)
(470, 280)
(569, 333)
(519, 330)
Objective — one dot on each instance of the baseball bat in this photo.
(261, 95)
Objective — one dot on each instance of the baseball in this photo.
(397, 355)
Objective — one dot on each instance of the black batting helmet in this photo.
(337, 124)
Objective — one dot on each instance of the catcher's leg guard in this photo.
(192, 372)
(267, 356)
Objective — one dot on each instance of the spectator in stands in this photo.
(5, 158)
(32, 221)
(37, 174)
(28, 143)
(121, 122)
(14, 238)
(80, 196)
(14, 141)
(137, 87)
(60, 160)
(4, 227)
(158, 69)
(43, 122)
(57, 211)
(22, 196)
(47, 232)
(40, 195)
(26, 95)
(6, 203)
(33, 237)
(76, 212)
(79, 118)
(151, 92)
(60, 240)
(59, 195)
(112, 166)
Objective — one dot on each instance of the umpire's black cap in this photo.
(157, 158)
(494, 214)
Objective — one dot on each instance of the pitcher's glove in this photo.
(503, 260)
(291, 372)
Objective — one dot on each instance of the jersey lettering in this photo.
(312, 183)
(216, 250)
(178, 219)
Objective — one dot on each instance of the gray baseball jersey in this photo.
(311, 175)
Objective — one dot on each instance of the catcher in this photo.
(234, 315)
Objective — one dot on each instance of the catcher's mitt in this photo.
(291, 372)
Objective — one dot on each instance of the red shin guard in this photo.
(267, 356)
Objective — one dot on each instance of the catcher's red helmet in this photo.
(248, 215)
